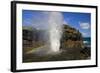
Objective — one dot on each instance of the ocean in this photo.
(87, 41)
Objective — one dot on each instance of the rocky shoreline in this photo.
(72, 46)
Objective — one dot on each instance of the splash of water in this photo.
(55, 30)
(52, 22)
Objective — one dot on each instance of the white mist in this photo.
(55, 22)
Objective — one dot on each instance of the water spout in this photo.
(52, 23)
(55, 30)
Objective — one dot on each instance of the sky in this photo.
(40, 19)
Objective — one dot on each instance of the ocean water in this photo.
(87, 41)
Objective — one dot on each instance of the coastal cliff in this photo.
(71, 38)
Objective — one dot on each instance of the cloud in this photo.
(65, 22)
(84, 25)
(27, 21)
(86, 34)
(42, 20)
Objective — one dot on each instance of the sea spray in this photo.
(55, 22)
(52, 23)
